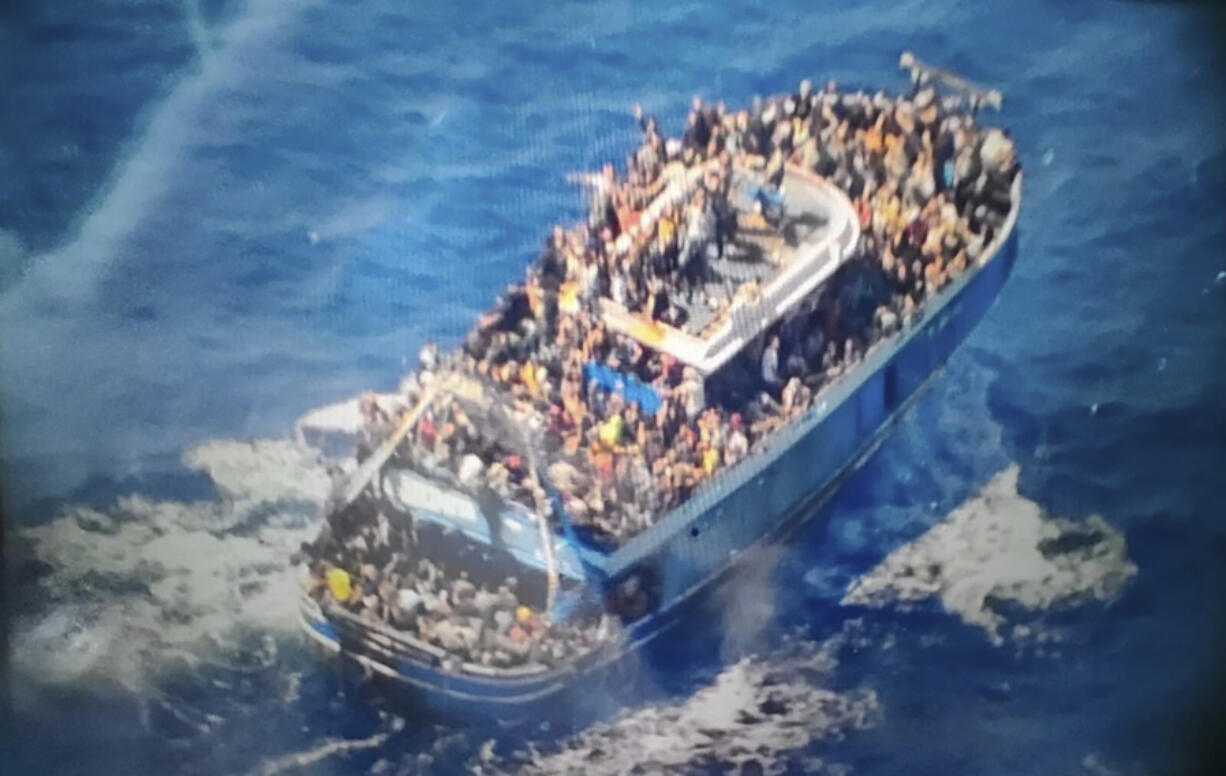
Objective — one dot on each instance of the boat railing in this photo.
(390, 645)
(382, 633)
(798, 279)
(511, 672)
(745, 316)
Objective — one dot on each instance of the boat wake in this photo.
(997, 553)
(137, 594)
(330, 748)
(133, 593)
(755, 712)
(118, 593)
(70, 272)
(130, 594)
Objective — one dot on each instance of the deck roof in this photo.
(818, 232)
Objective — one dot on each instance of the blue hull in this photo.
(761, 500)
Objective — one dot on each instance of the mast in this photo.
(542, 522)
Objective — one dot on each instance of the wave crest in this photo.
(128, 588)
(1000, 549)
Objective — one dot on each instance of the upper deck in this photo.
(762, 275)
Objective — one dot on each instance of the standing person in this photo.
(770, 366)
(738, 444)
(697, 127)
(693, 252)
(693, 394)
(724, 215)
(376, 425)
(427, 360)
(601, 211)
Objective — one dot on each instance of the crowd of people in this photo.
(416, 579)
(930, 189)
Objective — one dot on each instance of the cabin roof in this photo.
(759, 278)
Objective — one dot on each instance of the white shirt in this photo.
(427, 356)
(408, 599)
(471, 467)
(695, 396)
(617, 288)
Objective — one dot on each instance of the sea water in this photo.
(218, 216)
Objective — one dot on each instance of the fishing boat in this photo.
(638, 584)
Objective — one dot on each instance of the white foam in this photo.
(1094, 765)
(328, 748)
(756, 709)
(146, 582)
(260, 470)
(993, 547)
(747, 606)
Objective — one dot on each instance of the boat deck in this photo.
(759, 252)
(785, 263)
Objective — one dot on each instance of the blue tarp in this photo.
(631, 388)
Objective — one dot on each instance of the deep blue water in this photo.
(218, 215)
